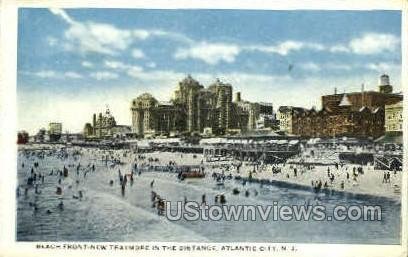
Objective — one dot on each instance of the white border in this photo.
(8, 114)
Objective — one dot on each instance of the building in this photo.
(194, 110)
(267, 122)
(342, 122)
(393, 118)
(122, 131)
(151, 117)
(265, 117)
(41, 136)
(285, 117)
(103, 126)
(222, 94)
(242, 110)
(55, 131)
(357, 114)
(22, 137)
(266, 109)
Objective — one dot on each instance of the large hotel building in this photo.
(195, 109)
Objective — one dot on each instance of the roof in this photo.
(368, 92)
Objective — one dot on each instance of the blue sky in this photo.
(74, 62)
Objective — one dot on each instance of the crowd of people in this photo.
(70, 174)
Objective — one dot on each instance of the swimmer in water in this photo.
(36, 189)
(123, 189)
(61, 205)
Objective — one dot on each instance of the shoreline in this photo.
(327, 191)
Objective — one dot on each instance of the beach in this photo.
(106, 213)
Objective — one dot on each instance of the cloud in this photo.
(141, 34)
(166, 75)
(383, 67)
(91, 37)
(137, 53)
(87, 64)
(174, 36)
(131, 71)
(72, 75)
(45, 74)
(338, 66)
(151, 65)
(98, 38)
(369, 43)
(286, 47)
(214, 53)
(310, 66)
(374, 43)
(51, 74)
(61, 13)
(104, 75)
(115, 65)
(102, 38)
(118, 66)
(339, 49)
(52, 41)
(211, 53)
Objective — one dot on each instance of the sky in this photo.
(76, 62)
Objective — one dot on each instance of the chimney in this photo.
(335, 90)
